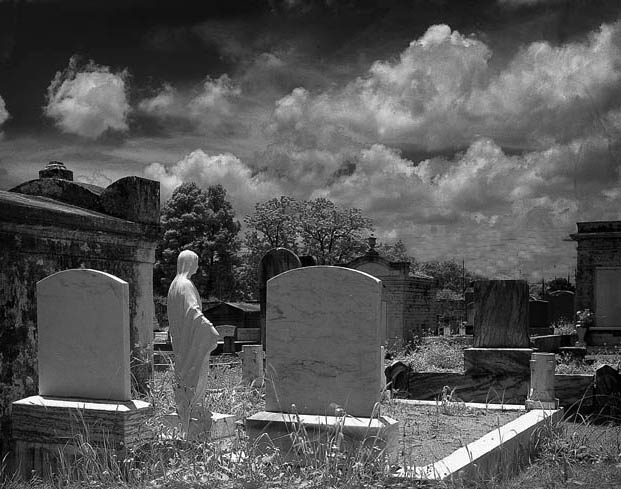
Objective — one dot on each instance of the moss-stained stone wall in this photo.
(40, 236)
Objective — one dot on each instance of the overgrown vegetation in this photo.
(577, 454)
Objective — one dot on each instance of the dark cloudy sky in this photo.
(475, 130)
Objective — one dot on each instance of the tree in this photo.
(318, 227)
(448, 274)
(560, 283)
(202, 221)
(330, 233)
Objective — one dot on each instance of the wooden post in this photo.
(252, 364)
(541, 392)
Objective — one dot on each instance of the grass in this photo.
(579, 454)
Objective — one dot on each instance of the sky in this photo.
(471, 130)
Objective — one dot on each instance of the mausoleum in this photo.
(598, 278)
(409, 296)
(52, 224)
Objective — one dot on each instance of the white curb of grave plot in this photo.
(499, 452)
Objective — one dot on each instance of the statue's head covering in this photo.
(187, 263)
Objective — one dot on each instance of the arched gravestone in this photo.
(323, 341)
(274, 262)
(83, 347)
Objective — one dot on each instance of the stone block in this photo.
(83, 345)
(134, 199)
(299, 437)
(514, 362)
(323, 350)
(43, 428)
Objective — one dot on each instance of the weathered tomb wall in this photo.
(410, 299)
(40, 236)
(599, 245)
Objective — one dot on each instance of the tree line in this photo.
(204, 221)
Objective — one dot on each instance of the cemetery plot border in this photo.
(499, 453)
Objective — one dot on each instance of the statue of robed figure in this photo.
(193, 339)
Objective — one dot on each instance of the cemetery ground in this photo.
(579, 452)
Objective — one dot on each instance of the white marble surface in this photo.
(83, 327)
(323, 341)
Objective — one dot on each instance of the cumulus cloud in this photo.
(209, 108)
(442, 92)
(244, 187)
(88, 101)
(4, 113)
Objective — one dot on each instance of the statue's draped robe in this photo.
(193, 339)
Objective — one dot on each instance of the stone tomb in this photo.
(84, 373)
(324, 363)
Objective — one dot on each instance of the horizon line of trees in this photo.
(204, 221)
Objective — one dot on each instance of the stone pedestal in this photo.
(300, 437)
(46, 429)
(514, 362)
(541, 391)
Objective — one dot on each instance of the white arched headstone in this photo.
(83, 328)
(324, 341)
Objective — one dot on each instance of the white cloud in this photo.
(88, 101)
(442, 92)
(4, 113)
(243, 186)
(208, 108)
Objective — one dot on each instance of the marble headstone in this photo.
(83, 327)
(323, 341)
(274, 262)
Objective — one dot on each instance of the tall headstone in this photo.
(324, 362)
(274, 262)
(84, 375)
(323, 341)
(501, 342)
(83, 350)
(501, 314)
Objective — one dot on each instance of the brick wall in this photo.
(598, 246)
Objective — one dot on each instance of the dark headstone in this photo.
(561, 305)
(274, 262)
(501, 314)
(538, 313)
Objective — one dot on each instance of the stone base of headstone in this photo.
(49, 431)
(301, 437)
(498, 361)
(222, 426)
